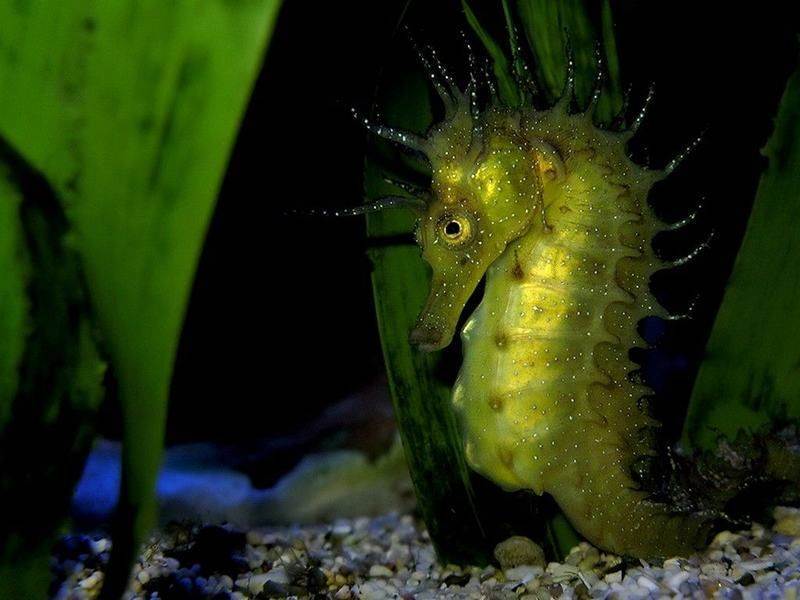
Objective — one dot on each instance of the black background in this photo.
(281, 321)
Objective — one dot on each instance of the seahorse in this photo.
(552, 212)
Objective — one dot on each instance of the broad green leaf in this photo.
(552, 27)
(750, 374)
(427, 424)
(130, 109)
(27, 570)
(58, 376)
(611, 100)
(14, 305)
(506, 85)
(517, 59)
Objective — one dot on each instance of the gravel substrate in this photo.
(391, 557)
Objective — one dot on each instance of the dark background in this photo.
(281, 322)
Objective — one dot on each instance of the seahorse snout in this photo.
(437, 321)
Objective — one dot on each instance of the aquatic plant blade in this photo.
(24, 573)
(611, 100)
(14, 305)
(750, 374)
(506, 85)
(133, 124)
(427, 425)
(55, 385)
(550, 26)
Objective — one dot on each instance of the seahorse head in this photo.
(487, 188)
(485, 193)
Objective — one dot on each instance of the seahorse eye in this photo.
(455, 229)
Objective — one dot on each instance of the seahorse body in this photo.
(555, 213)
(544, 390)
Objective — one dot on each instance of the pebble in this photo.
(92, 581)
(255, 583)
(519, 550)
(755, 565)
(391, 557)
(100, 546)
(523, 573)
(714, 569)
(380, 571)
(647, 583)
(614, 577)
(343, 593)
(787, 521)
(341, 529)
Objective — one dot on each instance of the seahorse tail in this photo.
(603, 502)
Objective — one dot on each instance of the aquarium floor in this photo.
(391, 557)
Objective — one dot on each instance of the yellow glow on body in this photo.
(488, 176)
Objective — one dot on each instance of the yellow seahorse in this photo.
(553, 212)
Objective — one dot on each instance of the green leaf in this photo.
(506, 85)
(14, 305)
(750, 375)
(426, 421)
(612, 98)
(541, 21)
(517, 60)
(552, 26)
(48, 427)
(130, 109)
